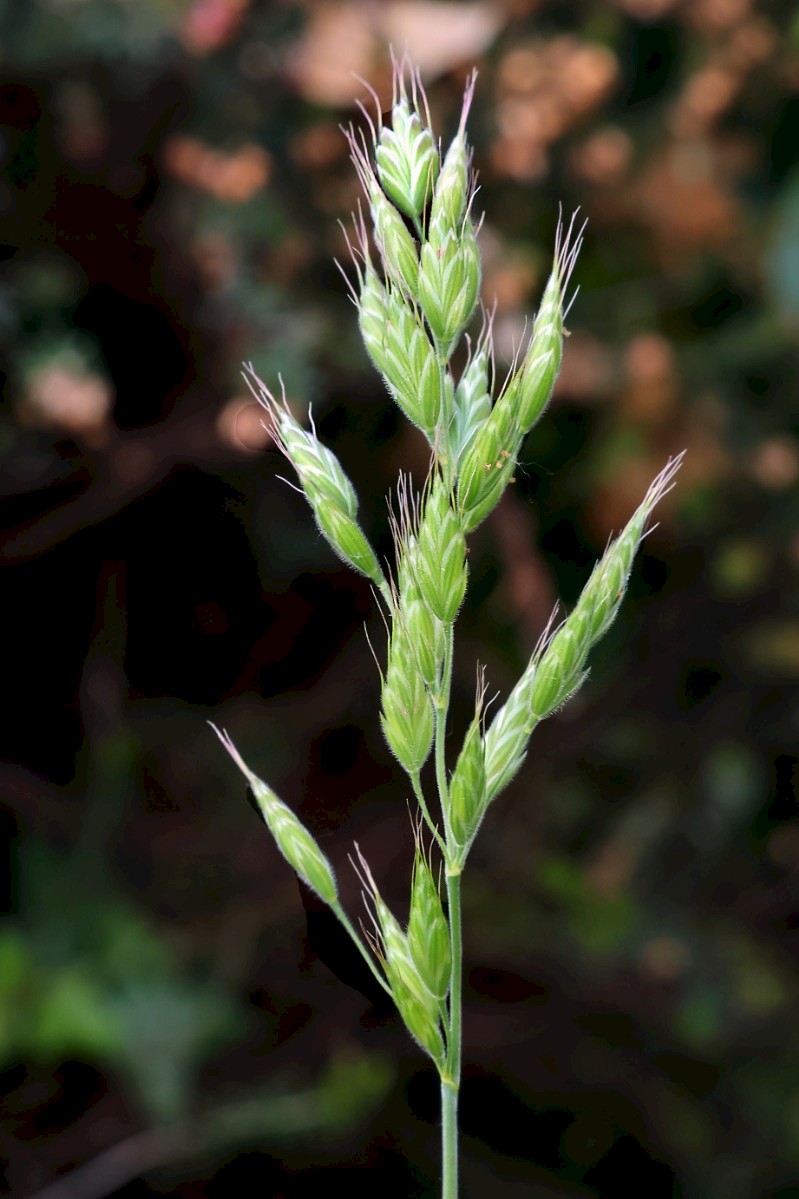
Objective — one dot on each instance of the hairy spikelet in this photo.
(325, 485)
(406, 155)
(505, 743)
(561, 669)
(541, 364)
(398, 344)
(449, 280)
(407, 712)
(471, 403)
(486, 467)
(468, 794)
(416, 1003)
(291, 836)
(428, 931)
(439, 557)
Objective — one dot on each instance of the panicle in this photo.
(291, 836)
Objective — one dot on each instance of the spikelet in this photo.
(561, 668)
(486, 466)
(505, 743)
(406, 155)
(416, 1004)
(291, 836)
(407, 712)
(471, 401)
(428, 930)
(397, 341)
(468, 796)
(541, 364)
(449, 280)
(439, 557)
(323, 481)
(425, 632)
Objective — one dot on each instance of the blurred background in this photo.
(177, 1018)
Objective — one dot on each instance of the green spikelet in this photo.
(487, 464)
(428, 931)
(407, 159)
(471, 403)
(291, 836)
(449, 280)
(454, 189)
(439, 557)
(397, 247)
(400, 348)
(561, 668)
(325, 485)
(425, 632)
(407, 713)
(506, 741)
(543, 358)
(468, 797)
(416, 1004)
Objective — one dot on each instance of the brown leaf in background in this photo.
(352, 37)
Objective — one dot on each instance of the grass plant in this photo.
(416, 290)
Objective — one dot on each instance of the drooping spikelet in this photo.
(291, 836)
(323, 481)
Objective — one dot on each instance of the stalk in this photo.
(416, 783)
(451, 1079)
(362, 950)
(450, 1076)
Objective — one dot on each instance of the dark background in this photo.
(176, 1016)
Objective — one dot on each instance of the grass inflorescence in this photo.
(416, 289)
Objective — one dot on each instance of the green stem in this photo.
(443, 455)
(364, 952)
(450, 1083)
(451, 1074)
(441, 708)
(422, 802)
